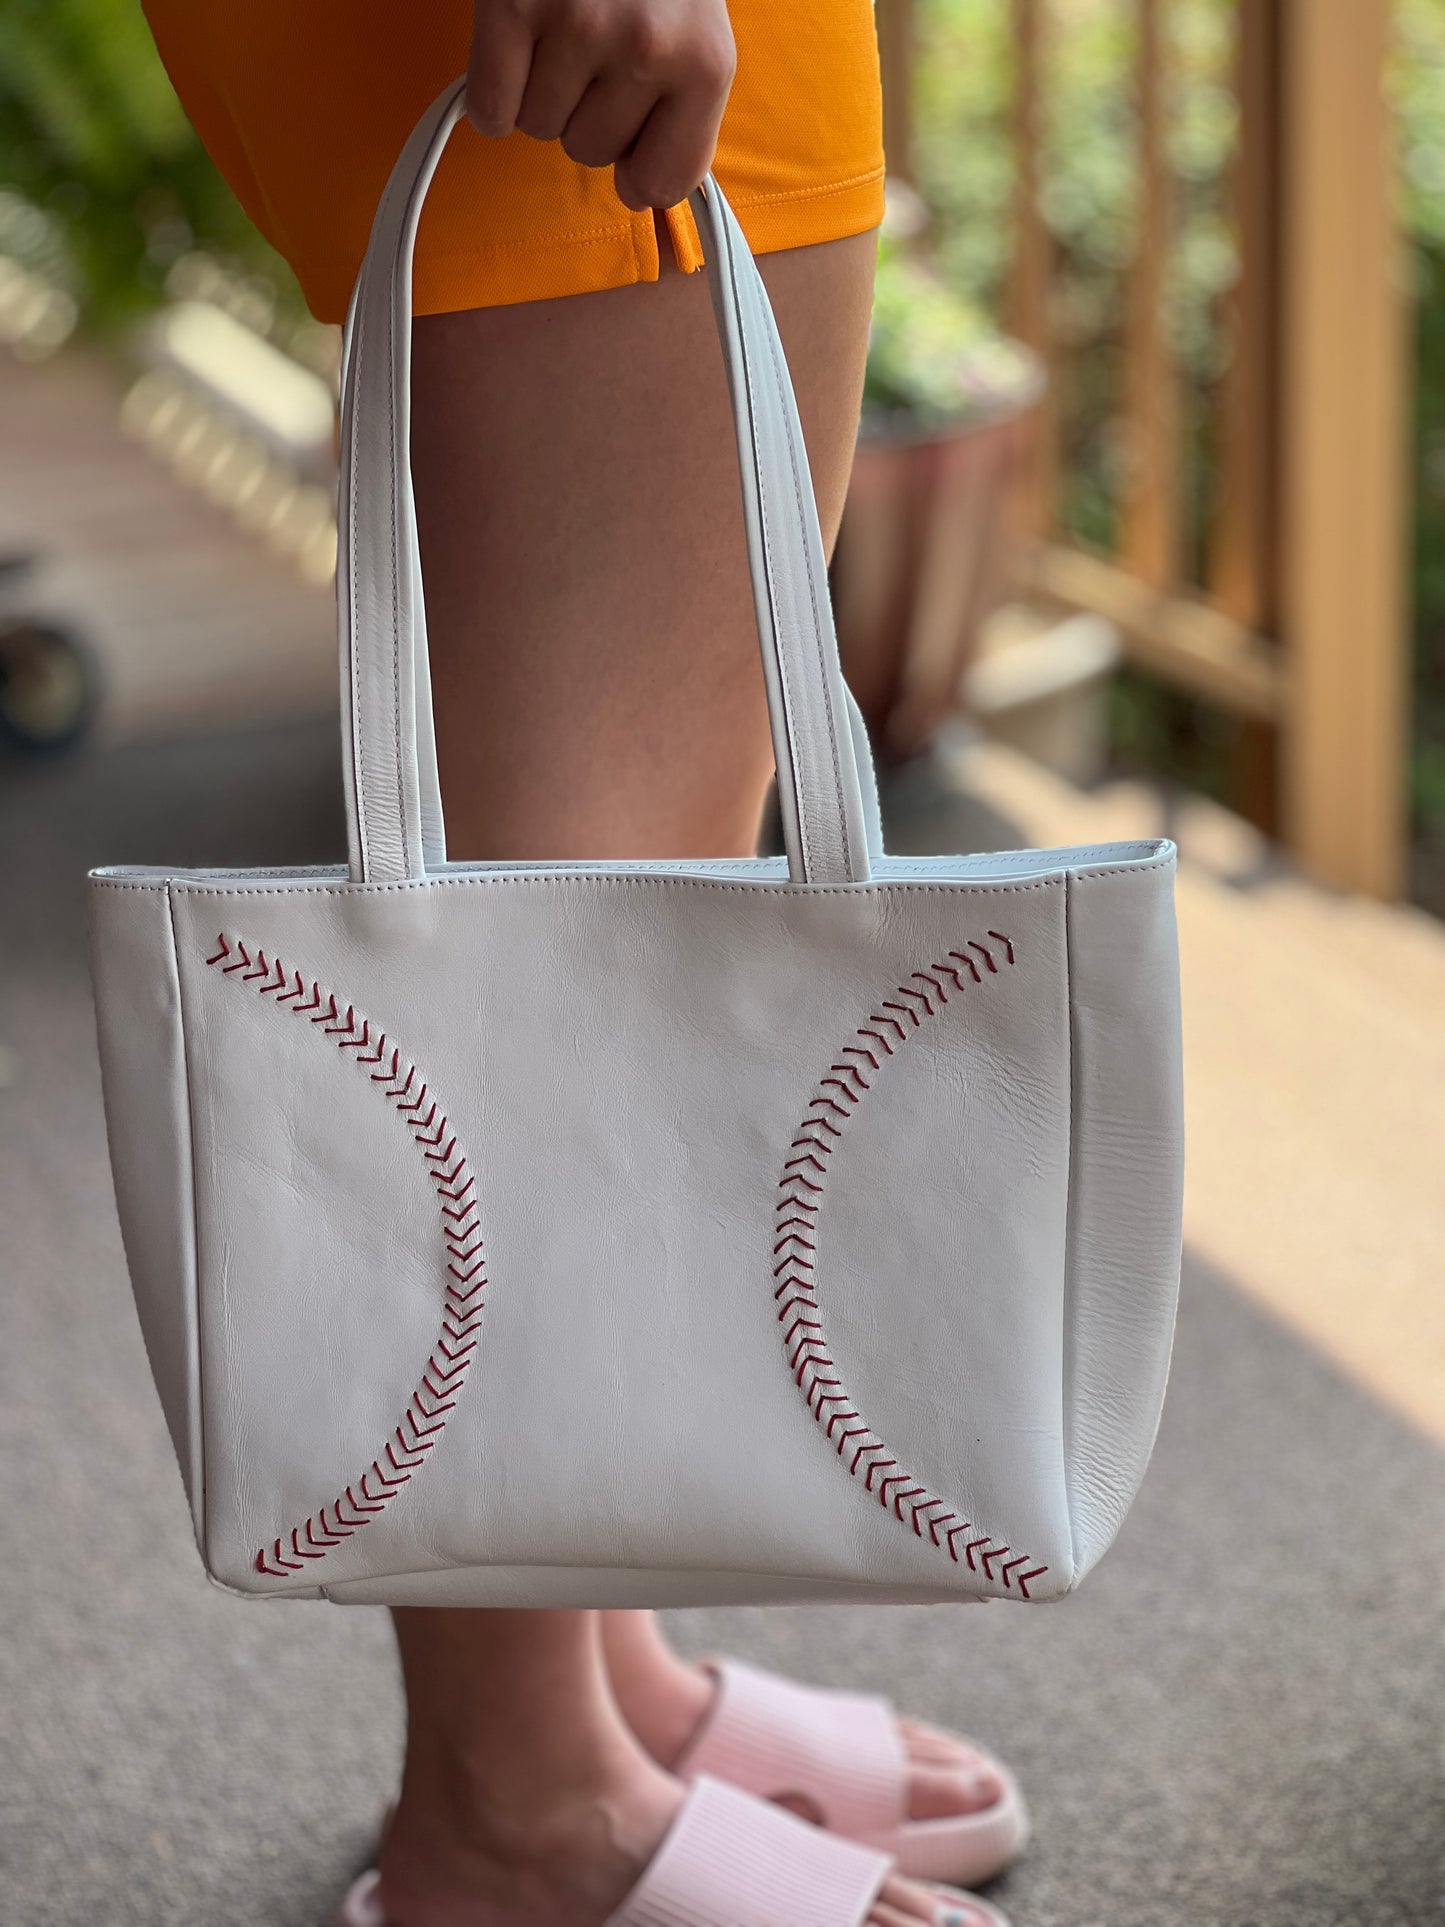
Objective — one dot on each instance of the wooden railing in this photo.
(1296, 622)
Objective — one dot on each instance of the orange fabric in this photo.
(305, 104)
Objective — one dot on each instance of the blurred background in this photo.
(1146, 535)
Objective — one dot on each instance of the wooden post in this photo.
(895, 60)
(1343, 452)
(1242, 566)
(1150, 532)
(1243, 571)
(1032, 267)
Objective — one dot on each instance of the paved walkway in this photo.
(191, 620)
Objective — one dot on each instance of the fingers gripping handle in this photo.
(395, 831)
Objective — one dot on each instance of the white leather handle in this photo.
(826, 787)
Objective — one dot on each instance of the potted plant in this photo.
(918, 559)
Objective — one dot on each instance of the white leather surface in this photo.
(147, 1115)
(1125, 1236)
(603, 1586)
(816, 741)
(630, 1402)
(828, 1208)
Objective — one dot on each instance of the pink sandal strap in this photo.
(733, 1861)
(840, 1752)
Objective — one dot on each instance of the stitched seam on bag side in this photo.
(800, 813)
(198, 1472)
(1066, 1376)
(813, 597)
(798, 1214)
(448, 1365)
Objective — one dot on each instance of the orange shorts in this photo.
(305, 104)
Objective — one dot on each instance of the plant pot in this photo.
(921, 559)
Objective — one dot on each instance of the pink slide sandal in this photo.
(732, 1861)
(843, 1755)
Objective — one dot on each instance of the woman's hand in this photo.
(638, 85)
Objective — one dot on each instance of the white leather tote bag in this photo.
(642, 1233)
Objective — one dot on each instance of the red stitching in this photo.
(845, 1091)
(827, 1103)
(436, 1391)
(807, 1158)
(810, 1363)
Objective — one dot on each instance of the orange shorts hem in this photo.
(547, 266)
(305, 108)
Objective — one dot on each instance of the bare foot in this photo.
(569, 1864)
(665, 1701)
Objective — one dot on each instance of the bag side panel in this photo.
(147, 1119)
(1126, 1190)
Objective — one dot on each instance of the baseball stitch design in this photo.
(800, 1201)
(446, 1368)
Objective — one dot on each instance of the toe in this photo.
(938, 1793)
(905, 1903)
(947, 1776)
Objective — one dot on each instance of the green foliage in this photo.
(1418, 86)
(1088, 195)
(92, 135)
(934, 355)
(1417, 83)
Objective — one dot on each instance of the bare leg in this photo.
(598, 694)
(598, 690)
(523, 1793)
